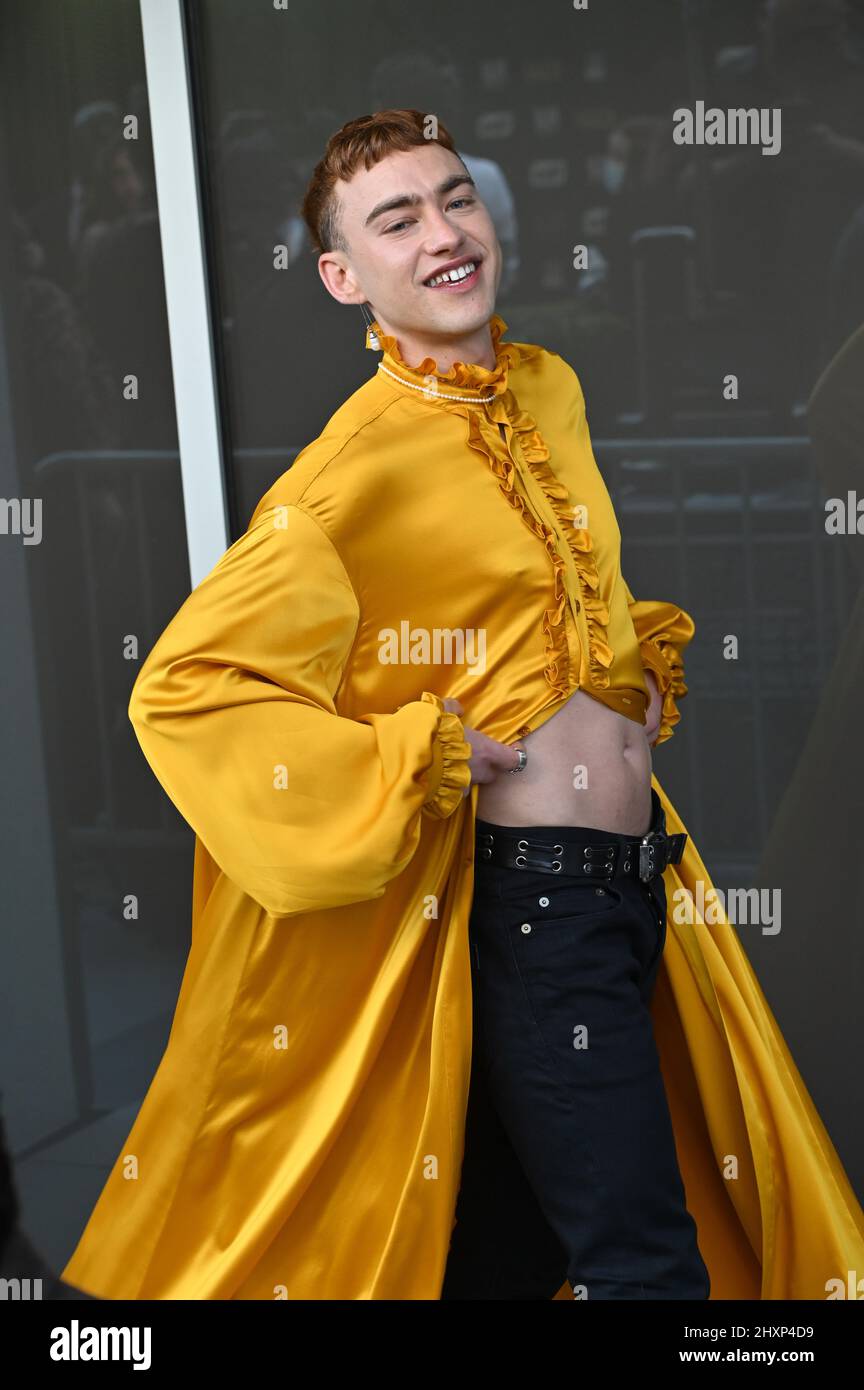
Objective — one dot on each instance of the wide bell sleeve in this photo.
(663, 631)
(234, 709)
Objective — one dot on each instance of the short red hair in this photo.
(366, 140)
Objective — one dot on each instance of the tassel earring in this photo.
(374, 341)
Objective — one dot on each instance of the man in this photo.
(415, 686)
(621, 1222)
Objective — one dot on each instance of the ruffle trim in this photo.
(456, 754)
(465, 375)
(485, 436)
(661, 655)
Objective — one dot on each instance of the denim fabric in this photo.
(570, 1171)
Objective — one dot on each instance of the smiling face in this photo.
(411, 217)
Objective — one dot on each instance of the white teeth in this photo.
(459, 273)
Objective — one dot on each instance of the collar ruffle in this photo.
(463, 378)
(484, 435)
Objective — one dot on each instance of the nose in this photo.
(441, 233)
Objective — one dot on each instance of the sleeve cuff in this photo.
(664, 659)
(450, 771)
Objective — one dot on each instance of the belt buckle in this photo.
(648, 869)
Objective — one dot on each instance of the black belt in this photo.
(642, 856)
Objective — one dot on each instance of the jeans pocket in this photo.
(545, 900)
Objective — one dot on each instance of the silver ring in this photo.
(523, 758)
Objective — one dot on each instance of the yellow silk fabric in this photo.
(303, 1134)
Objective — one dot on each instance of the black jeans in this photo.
(570, 1171)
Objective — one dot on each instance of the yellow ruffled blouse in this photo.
(448, 534)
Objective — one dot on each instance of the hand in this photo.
(655, 709)
(489, 758)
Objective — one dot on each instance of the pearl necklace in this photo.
(429, 391)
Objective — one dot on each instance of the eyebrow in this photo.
(410, 200)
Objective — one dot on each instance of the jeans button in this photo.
(544, 902)
(525, 928)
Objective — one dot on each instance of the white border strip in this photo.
(183, 258)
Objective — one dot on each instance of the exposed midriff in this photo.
(587, 766)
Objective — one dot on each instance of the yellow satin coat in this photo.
(303, 1134)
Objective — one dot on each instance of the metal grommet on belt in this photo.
(639, 856)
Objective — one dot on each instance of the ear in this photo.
(339, 279)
